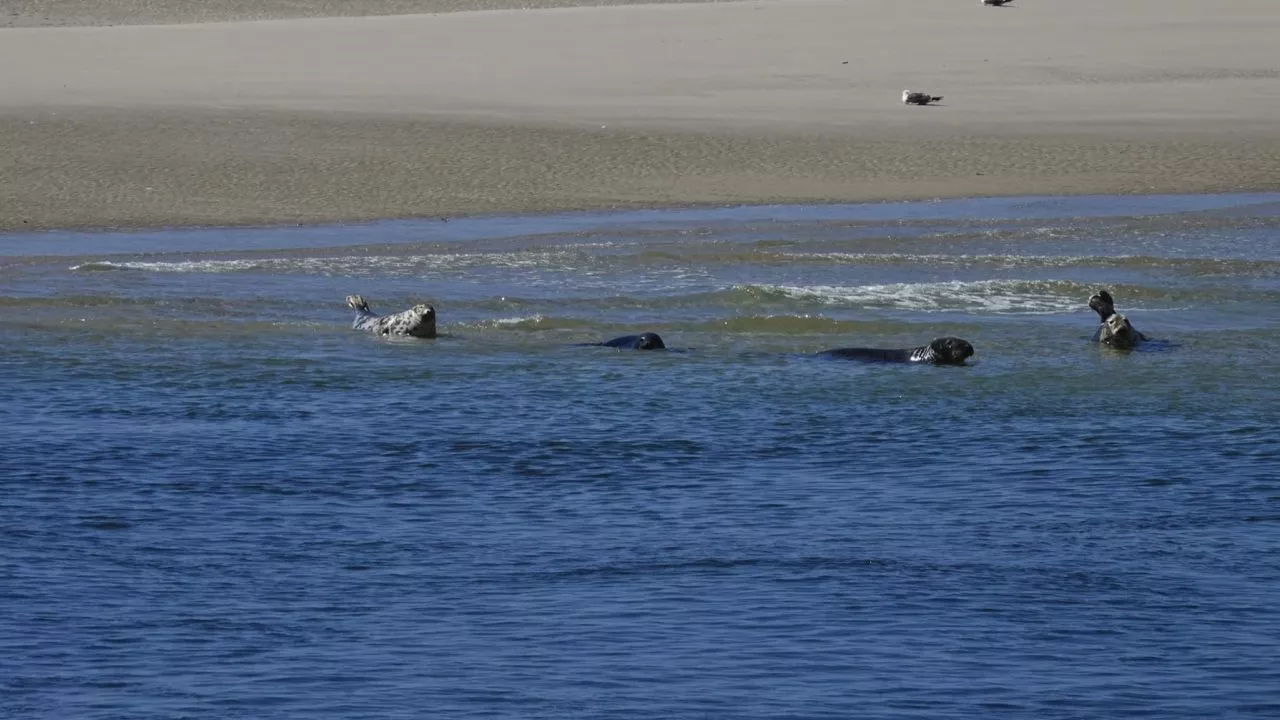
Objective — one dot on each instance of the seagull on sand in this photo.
(918, 98)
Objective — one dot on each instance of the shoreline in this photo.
(122, 169)
(488, 226)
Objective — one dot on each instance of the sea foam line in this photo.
(357, 265)
(994, 296)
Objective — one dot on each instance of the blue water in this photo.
(219, 501)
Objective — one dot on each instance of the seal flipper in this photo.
(359, 304)
(364, 316)
(1101, 303)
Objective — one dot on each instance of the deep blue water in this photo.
(219, 501)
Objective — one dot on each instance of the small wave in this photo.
(1005, 297)
(993, 296)
(1188, 266)
(942, 260)
(795, 325)
(350, 265)
(535, 322)
(185, 266)
(529, 322)
(677, 566)
(100, 266)
(517, 320)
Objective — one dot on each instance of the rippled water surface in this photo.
(219, 501)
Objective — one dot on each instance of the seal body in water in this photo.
(643, 341)
(418, 321)
(941, 351)
(1115, 329)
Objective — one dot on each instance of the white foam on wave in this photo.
(185, 266)
(99, 265)
(941, 260)
(525, 320)
(1004, 297)
(349, 265)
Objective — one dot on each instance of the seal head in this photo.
(946, 351)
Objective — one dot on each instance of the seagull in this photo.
(918, 98)
(996, 3)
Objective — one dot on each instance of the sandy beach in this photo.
(311, 118)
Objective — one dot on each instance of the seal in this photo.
(643, 341)
(941, 351)
(996, 3)
(918, 98)
(1115, 330)
(418, 321)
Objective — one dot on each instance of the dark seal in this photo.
(1115, 329)
(941, 351)
(418, 321)
(643, 341)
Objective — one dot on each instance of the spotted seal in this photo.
(418, 321)
(941, 351)
(643, 341)
(1115, 329)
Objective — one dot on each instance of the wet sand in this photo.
(330, 119)
(91, 13)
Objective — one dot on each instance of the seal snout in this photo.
(650, 341)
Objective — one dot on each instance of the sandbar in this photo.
(317, 116)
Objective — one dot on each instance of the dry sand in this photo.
(306, 120)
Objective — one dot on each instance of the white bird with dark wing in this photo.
(918, 98)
